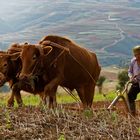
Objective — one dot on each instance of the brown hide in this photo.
(73, 68)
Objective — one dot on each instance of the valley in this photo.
(107, 27)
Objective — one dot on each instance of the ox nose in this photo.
(23, 77)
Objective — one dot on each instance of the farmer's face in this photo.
(137, 57)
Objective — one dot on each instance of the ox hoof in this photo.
(10, 104)
(20, 105)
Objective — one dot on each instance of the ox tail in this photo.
(97, 70)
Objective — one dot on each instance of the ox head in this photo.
(6, 61)
(31, 57)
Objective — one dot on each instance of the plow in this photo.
(122, 95)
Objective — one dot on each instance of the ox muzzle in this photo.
(29, 80)
(24, 77)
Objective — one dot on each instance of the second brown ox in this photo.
(10, 66)
(62, 62)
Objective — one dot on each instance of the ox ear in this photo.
(47, 50)
(14, 56)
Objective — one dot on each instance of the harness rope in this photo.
(57, 57)
(71, 94)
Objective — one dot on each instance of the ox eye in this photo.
(34, 56)
(5, 65)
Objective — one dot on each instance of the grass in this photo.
(34, 100)
(99, 97)
(30, 99)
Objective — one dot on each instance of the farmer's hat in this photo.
(136, 50)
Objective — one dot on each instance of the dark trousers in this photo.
(133, 92)
(132, 95)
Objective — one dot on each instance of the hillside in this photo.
(107, 27)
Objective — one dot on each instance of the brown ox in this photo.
(65, 64)
(10, 66)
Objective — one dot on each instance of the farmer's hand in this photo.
(133, 80)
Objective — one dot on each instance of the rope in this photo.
(71, 94)
(57, 57)
(83, 67)
(35, 70)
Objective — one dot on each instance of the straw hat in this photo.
(136, 50)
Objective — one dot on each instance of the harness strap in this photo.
(71, 94)
(35, 70)
(57, 57)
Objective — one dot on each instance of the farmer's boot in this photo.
(133, 108)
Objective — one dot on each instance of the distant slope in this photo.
(107, 27)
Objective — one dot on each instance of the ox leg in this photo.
(52, 99)
(50, 90)
(16, 92)
(43, 97)
(89, 94)
(19, 99)
(52, 96)
(80, 92)
(10, 102)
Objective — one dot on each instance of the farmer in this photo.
(134, 75)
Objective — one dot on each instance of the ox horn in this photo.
(47, 50)
(14, 56)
